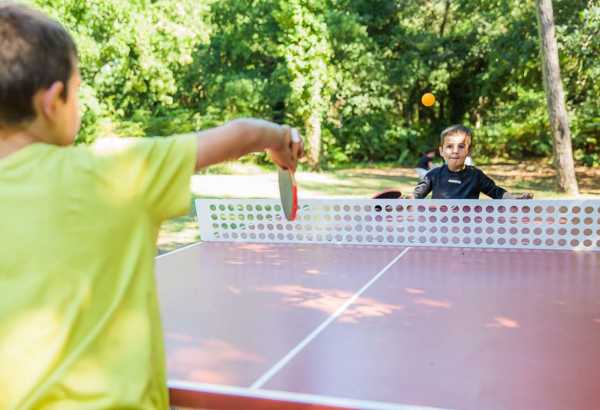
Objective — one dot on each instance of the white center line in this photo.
(292, 353)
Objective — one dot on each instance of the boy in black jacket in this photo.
(455, 180)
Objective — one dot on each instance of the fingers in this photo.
(293, 148)
(297, 147)
(286, 154)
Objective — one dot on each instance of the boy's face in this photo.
(455, 150)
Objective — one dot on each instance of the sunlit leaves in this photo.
(350, 73)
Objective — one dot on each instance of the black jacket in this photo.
(465, 184)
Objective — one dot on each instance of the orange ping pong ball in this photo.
(428, 99)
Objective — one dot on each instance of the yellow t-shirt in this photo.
(79, 317)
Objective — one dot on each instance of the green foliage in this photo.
(581, 71)
(132, 53)
(351, 71)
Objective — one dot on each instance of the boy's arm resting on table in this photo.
(524, 195)
(489, 187)
(240, 137)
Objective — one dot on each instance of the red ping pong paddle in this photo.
(288, 192)
(389, 194)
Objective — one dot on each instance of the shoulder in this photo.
(477, 171)
(436, 172)
(473, 170)
(106, 151)
(479, 174)
(111, 158)
(143, 148)
(115, 146)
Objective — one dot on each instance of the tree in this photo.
(348, 73)
(580, 72)
(307, 50)
(561, 135)
(132, 55)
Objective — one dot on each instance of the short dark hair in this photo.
(35, 52)
(457, 129)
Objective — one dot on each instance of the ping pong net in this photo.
(532, 224)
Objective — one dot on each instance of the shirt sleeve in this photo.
(155, 172)
(489, 187)
(424, 186)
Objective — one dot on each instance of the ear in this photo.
(441, 149)
(51, 98)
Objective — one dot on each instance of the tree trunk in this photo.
(445, 18)
(313, 130)
(561, 136)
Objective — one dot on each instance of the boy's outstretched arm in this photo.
(489, 187)
(240, 137)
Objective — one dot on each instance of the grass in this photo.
(237, 180)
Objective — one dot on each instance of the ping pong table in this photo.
(386, 304)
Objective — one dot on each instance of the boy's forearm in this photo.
(258, 135)
(236, 139)
(525, 195)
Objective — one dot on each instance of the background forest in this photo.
(349, 73)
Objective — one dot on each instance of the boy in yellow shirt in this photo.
(79, 317)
